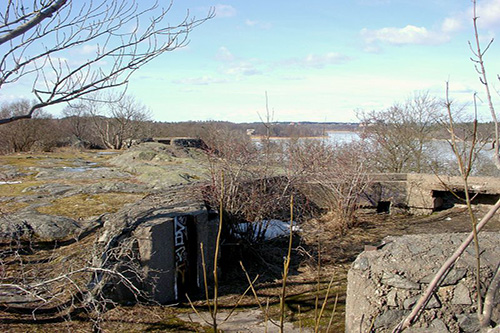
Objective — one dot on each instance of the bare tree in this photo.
(26, 134)
(116, 118)
(77, 122)
(35, 37)
(401, 133)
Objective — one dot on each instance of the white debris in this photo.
(267, 229)
(10, 182)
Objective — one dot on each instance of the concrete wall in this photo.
(424, 193)
(384, 284)
(159, 237)
(170, 253)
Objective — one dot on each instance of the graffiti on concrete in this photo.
(180, 242)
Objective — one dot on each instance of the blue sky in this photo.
(317, 60)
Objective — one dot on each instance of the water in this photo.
(343, 137)
(88, 166)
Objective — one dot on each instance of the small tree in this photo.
(115, 118)
(77, 123)
(400, 135)
(35, 37)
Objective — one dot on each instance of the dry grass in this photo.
(16, 190)
(12, 207)
(82, 206)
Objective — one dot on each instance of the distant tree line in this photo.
(400, 139)
(112, 121)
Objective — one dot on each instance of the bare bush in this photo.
(335, 175)
(249, 181)
(64, 281)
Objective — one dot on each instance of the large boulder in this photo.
(30, 225)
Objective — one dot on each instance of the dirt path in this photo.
(243, 321)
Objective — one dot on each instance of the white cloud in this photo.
(224, 10)
(202, 80)
(223, 54)
(404, 36)
(452, 24)
(245, 68)
(317, 60)
(251, 23)
(373, 2)
(488, 13)
(89, 49)
(258, 24)
(233, 65)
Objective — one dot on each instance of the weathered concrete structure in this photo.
(175, 141)
(424, 193)
(384, 284)
(160, 238)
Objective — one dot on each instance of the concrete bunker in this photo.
(159, 244)
(424, 194)
(446, 199)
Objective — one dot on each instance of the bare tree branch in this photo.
(121, 37)
(41, 15)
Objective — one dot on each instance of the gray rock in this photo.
(395, 280)
(81, 173)
(147, 155)
(117, 187)
(392, 298)
(453, 277)
(436, 326)
(361, 264)
(394, 275)
(388, 319)
(461, 295)
(28, 224)
(432, 304)
(53, 189)
(469, 323)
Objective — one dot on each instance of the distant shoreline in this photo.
(260, 137)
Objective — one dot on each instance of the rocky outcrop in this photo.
(30, 225)
(163, 166)
(385, 283)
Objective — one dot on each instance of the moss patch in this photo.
(85, 205)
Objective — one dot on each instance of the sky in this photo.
(316, 60)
